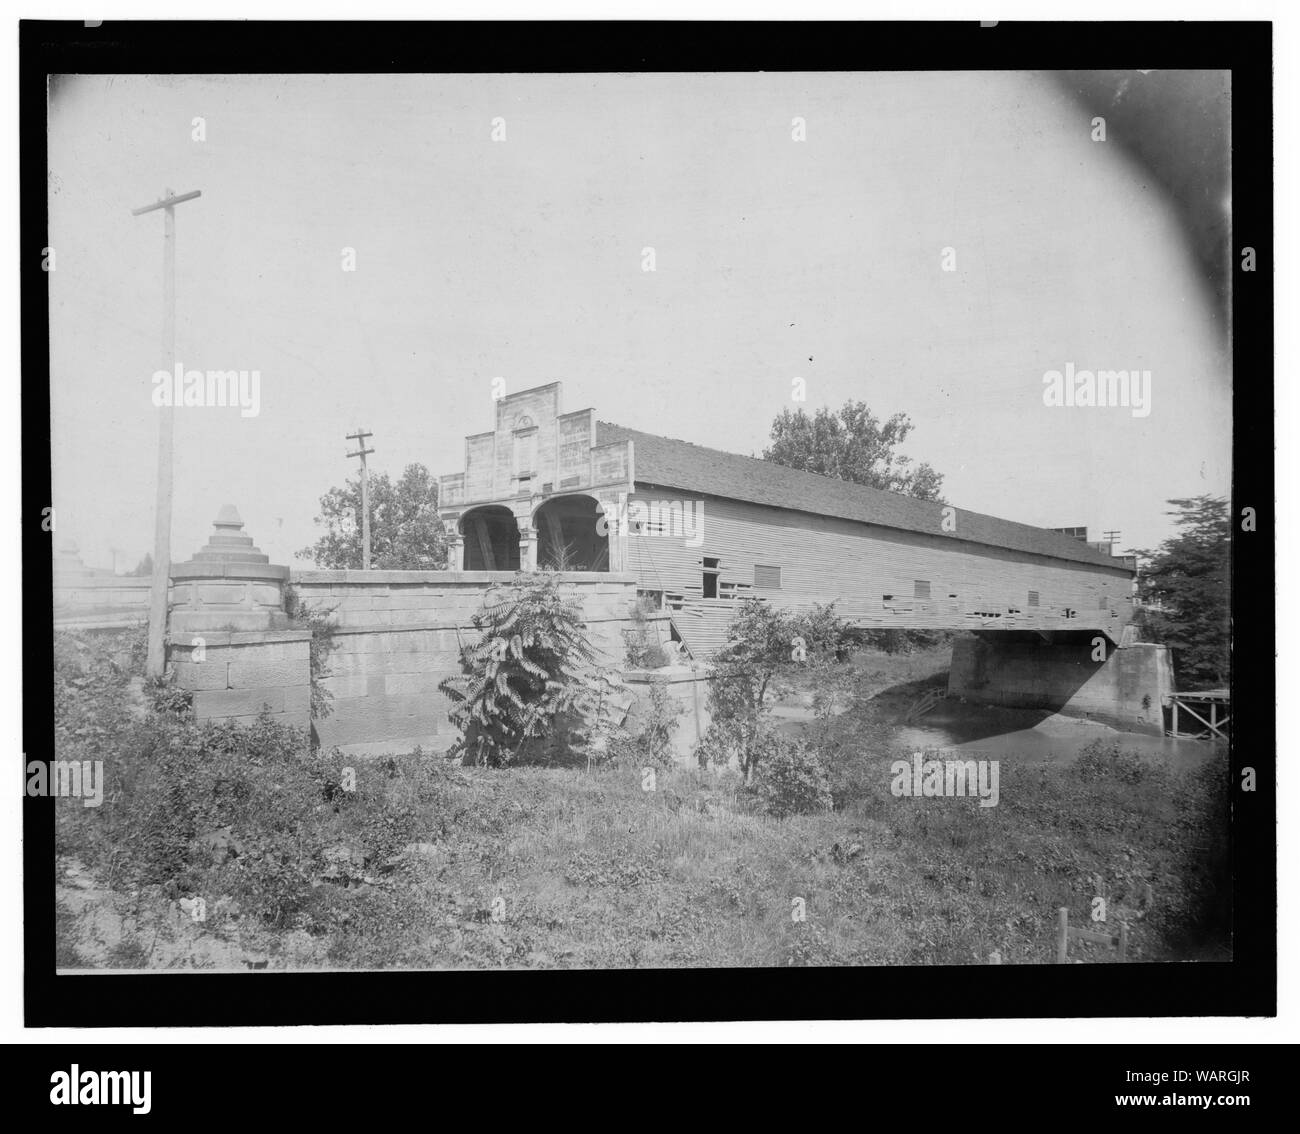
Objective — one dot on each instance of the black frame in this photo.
(1244, 986)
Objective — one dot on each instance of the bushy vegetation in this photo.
(766, 645)
(1189, 576)
(411, 861)
(651, 746)
(1148, 837)
(642, 652)
(791, 779)
(531, 690)
(904, 641)
(320, 621)
(206, 809)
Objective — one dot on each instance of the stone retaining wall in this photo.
(399, 636)
(1127, 690)
(235, 676)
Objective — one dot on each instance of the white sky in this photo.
(775, 259)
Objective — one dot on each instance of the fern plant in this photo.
(529, 681)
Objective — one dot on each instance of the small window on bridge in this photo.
(769, 577)
(921, 588)
(1033, 598)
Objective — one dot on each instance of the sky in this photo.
(522, 258)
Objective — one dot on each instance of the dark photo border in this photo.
(1244, 986)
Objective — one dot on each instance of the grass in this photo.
(564, 868)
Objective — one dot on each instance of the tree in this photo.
(530, 689)
(144, 567)
(765, 644)
(852, 445)
(405, 532)
(1189, 575)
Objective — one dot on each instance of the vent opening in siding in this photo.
(1033, 598)
(921, 588)
(768, 577)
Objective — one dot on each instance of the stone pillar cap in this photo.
(228, 544)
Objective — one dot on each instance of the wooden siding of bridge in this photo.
(823, 559)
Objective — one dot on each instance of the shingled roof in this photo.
(669, 463)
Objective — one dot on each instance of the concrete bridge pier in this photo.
(1080, 673)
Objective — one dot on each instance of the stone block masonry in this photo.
(87, 598)
(399, 636)
(242, 673)
(1127, 689)
(228, 639)
(688, 697)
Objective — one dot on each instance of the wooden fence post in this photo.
(1123, 941)
(1062, 935)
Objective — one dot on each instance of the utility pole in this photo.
(360, 438)
(1112, 538)
(156, 659)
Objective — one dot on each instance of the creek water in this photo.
(1016, 734)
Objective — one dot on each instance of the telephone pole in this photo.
(360, 438)
(156, 659)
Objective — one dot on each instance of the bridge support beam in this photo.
(1128, 689)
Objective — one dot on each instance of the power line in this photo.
(360, 438)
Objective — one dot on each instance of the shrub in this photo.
(92, 673)
(530, 690)
(652, 746)
(212, 809)
(761, 644)
(654, 657)
(641, 652)
(166, 697)
(904, 641)
(856, 748)
(825, 634)
(791, 779)
(765, 645)
(323, 628)
(1107, 760)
